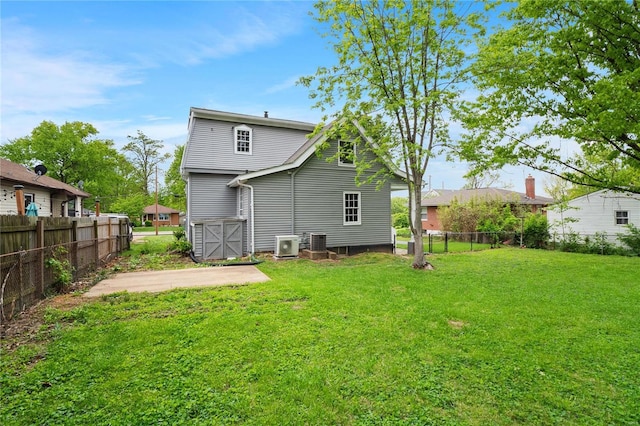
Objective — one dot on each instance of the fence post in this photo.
(40, 247)
(74, 248)
(109, 236)
(446, 242)
(96, 244)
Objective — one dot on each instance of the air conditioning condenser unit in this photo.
(287, 245)
(318, 242)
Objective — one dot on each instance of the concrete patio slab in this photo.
(157, 281)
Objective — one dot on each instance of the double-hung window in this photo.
(163, 216)
(243, 139)
(622, 217)
(352, 208)
(346, 153)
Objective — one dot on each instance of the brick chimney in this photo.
(530, 187)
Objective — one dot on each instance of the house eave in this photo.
(250, 119)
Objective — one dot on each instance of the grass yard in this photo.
(498, 337)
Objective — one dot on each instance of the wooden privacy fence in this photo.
(27, 245)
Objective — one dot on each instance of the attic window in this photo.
(346, 152)
(622, 217)
(243, 139)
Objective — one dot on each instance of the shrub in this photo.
(632, 239)
(400, 220)
(180, 244)
(536, 231)
(148, 223)
(403, 232)
(61, 267)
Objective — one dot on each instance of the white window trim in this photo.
(617, 218)
(242, 127)
(340, 162)
(344, 208)
(424, 213)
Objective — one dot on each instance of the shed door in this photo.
(222, 240)
(212, 237)
(232, 239)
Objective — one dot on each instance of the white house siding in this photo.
(595, 212)
(210, 197)
(272, 209)
(211, 146)
(8, 204)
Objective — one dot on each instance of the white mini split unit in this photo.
(287, 245)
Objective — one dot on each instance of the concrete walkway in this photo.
(157, 281)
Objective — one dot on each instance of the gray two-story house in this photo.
(252, 180)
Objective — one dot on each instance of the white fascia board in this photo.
(250, 119)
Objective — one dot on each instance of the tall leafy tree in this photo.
(560, 92)
(145, 154)
(72, 154)
(175, 186)
(398, 74)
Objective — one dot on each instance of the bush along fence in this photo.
(41, 255)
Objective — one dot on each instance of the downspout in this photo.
(252, 217)
(293, 202)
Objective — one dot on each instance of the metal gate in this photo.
(222, 239)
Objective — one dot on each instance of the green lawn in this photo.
(498, 337)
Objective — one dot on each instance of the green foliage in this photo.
(498, 337)
(72, 154)
(145, 155)
(61, 267)
(400, 212)
(132, 205)
(631, 239)
(478, 214)
(403, 232)
(397, 76)
(175, 190)
(557, 71)
(148, 223)
(536, 231)
(180, 243)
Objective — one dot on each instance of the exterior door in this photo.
(222, 239)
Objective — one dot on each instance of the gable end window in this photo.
(622, 217)
(243, 139)
(352, 208)
(346, 153)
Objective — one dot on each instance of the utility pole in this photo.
(156, 216)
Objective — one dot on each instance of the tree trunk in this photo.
(419, 261)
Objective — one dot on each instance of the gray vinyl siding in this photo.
(210, 197)
(319, 192)
(211, 146)
(272, 209)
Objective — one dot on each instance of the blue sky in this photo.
(127, 66)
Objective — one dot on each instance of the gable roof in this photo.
(302, 154)
(446, 196)
(161, 209)
(19, 174)
(248, 119)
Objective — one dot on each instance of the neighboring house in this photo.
(602, 211)
(251, 179)
(52, 197)
(437, 198)
(166, 215)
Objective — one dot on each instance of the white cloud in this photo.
(287, 84)
(35, 81)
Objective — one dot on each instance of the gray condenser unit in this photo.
(318, 242)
